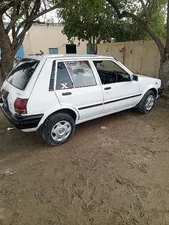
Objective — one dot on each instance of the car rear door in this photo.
(77, 86)
(119, 90)
(15, 86)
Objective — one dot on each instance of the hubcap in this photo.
(61, 130)
(150, 102)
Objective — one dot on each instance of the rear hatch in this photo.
(14, 90)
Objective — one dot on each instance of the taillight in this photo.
(20, 106)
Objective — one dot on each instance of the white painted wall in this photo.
(42, 37)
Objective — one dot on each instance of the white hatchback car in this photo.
(51, 94)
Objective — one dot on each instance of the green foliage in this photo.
(87, 20)
(158, 20)
(153, 12)
(125, 30)
(97, 21)
(20, 16)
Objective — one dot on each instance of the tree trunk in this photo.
(7, 52)
(1, 81)
(164, 63)
(164, 73)
(164, 68)
(92, 45)
(6, 63)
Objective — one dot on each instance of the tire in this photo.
(142, 106)
(57, 129)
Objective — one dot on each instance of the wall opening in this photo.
(53, 51)
(70, 49)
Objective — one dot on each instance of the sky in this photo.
(51, 17)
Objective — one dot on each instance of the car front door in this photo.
(77, 86)
(119, 90)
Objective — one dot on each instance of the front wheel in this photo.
(147, 103)
(58, 129)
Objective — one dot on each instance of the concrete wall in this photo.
(27, 45)
(42, 37)
(140, 57)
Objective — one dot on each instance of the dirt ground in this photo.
(115, 170)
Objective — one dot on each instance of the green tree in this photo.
(124, 20)
(147, 14)
(22, 13)
(87, 20)
(95, 21)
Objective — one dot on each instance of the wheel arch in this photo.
(67, 111)
(72, 112)
(141, 105)
(150, 88)
(154, 90)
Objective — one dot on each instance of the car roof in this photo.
(74, 56)
(67, 56)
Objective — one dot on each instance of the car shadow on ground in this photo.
(16, 141)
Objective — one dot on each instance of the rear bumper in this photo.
(22, 122)
(160, 91)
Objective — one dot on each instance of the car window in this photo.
(81, 73)
(63, 78)
(110, 72)
(22, 73)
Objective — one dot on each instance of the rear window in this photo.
(22, 73)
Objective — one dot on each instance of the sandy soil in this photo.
(114, 170)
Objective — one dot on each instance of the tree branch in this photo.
(123, 14)
(13, 34)
(167, 40)
(11, 24)
(15, 15)
(3, 35)
(144, 24)
(33, 17)
(4, 8)
(25, 12)
(157, 40)
(8, 15)
(115, 7)
(148, 19)
(18, 45)
(19, 39)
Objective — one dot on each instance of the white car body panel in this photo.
(41, 99)
(83, 97)
(24, 94)
(147, 83)
(87, 102)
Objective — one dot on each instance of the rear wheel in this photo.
(147, 103)
(58, 129)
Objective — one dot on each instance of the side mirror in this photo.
(134, 77)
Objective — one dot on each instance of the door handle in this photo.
(66, 93)
(107, 88)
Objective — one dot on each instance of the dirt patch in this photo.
(113, 171)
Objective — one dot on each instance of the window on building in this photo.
(70, 49)
(110, 72)
(53, 51)
(91, 49)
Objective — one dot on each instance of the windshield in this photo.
(22, 73)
